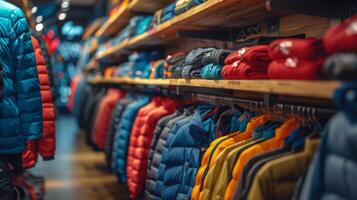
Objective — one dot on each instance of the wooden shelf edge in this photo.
(316, 89)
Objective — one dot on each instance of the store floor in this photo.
(77, 173)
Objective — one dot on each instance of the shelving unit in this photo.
(315, 89)
(219, 16)
(228, 14)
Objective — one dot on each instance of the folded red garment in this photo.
(343, 37)
(257, 56)
(295, 69)
(308, 49)
(242, 70)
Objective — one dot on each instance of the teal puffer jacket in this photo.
(21, 109)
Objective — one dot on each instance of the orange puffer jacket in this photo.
(104, 113)
(46, 145)
(140, 141)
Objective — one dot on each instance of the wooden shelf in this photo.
(209, 15)
(314, 89)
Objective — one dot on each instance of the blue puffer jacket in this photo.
(182, 156)
(21, 109)
(333, 171)
(122, 136)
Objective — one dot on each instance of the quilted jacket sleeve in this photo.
(47, 144)
(28, 86)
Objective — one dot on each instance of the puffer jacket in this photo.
(140, 140)
(6, 184)
(113, 127)
(332, 172)
(21, 116)
(74, 84)
(157, 146)
(47, 144)
(95, 97)
(81, 100)
(122, 137)
(162, 165)
(103, 115)
(183, 154)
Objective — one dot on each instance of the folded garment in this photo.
(242, 70)
(168, 13)
(186, 71)
(341, 67)
(342, 38)
(144, 25)
(195, 56)
(307, 49)
(212, 71)
(256, 56)
(157, 69)
(195, 73)
(291, 68)
(216, 56)
(157, 17)
(184, 5)
(174, 65)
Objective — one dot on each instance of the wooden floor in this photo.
(77, 172)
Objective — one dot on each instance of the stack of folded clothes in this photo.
(340, 42)
(247, 63)
(184, 5)
(174, 65)
(213, 62)
(193, 63)
(139, 63)
(296, 59)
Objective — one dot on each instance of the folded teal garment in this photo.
(144, 25)
(212, 71)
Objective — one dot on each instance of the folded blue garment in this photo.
(212, 71)
(144, 25)
(168, 12)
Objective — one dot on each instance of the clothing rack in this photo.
(308, 113)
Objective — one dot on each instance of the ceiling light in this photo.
(65, 4)
(34, 10)
(39, 27)
(62, 16)
(39, 19)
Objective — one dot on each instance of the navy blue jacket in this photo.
(182, 157)
(122, 136)
(21, 108)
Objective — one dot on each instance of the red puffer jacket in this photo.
(74, 84)
(47, 144)
(140, 141)
(103, 115)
